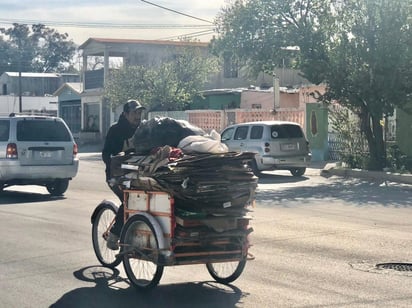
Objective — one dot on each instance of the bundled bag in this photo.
(162, 131)
(203, 144)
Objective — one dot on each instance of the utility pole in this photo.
(20, 101)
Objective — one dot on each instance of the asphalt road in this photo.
(317, 242)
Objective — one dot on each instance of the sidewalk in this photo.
(330, 169)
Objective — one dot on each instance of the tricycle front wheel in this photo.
(141, 253)
(226, 272)
(102, 220)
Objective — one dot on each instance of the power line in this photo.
(104, 25)
(177, 12)
(189, 35)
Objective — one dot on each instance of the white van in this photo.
(279, 145)
(37, 150)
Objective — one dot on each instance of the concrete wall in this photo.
(219, 119)
(252, 98)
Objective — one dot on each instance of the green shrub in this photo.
(396, 160)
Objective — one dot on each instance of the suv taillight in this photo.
(267, 147)
(11, 151)
(75, 149)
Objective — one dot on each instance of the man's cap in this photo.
(132, 105)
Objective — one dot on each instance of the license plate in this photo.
(45, 154)
(288, 146)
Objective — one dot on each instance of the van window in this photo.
(4, 130)
(40, 130)
(256, 132)
(227, 134)
(286, 131)
(241, 132)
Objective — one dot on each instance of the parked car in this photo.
(37, 150)
(279, 145)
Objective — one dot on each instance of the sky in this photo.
(125, 19)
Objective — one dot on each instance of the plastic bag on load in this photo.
(203, 144)
(161, 131)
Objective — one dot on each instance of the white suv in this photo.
(279, 145)
(37, 150)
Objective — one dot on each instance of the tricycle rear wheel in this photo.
(140, 249)
(226, 272)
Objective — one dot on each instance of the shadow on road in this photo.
(268, 178)
(105, 293)
(357, 191)
(15, 197)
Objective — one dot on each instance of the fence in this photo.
(219, 119)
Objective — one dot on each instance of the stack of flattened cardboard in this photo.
(218, 183)
(205, 182)
(208, 183)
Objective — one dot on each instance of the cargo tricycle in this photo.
(156, 233)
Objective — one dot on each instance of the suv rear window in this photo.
(286, 131)
(4, 130)
(42, 130)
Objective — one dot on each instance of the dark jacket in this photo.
(117, 140)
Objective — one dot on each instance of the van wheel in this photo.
(253, 165)
(58, 187)
(298, 171)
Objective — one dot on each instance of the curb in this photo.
(370, 175)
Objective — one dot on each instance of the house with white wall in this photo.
(30, 104)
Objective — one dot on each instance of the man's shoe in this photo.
(112, 241)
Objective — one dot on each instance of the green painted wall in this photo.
(317, 130)
(217, 101)
(404, 131)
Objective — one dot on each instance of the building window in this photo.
(91, 117)
(230, 66)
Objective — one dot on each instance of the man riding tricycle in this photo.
(185, 200)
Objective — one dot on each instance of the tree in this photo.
(172, 85)
(350, 146)
(361, 50)
(39, 49)
(126, 83)
(6, 57)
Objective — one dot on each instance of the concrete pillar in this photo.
(276, 92)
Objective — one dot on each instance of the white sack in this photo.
(203, 144)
